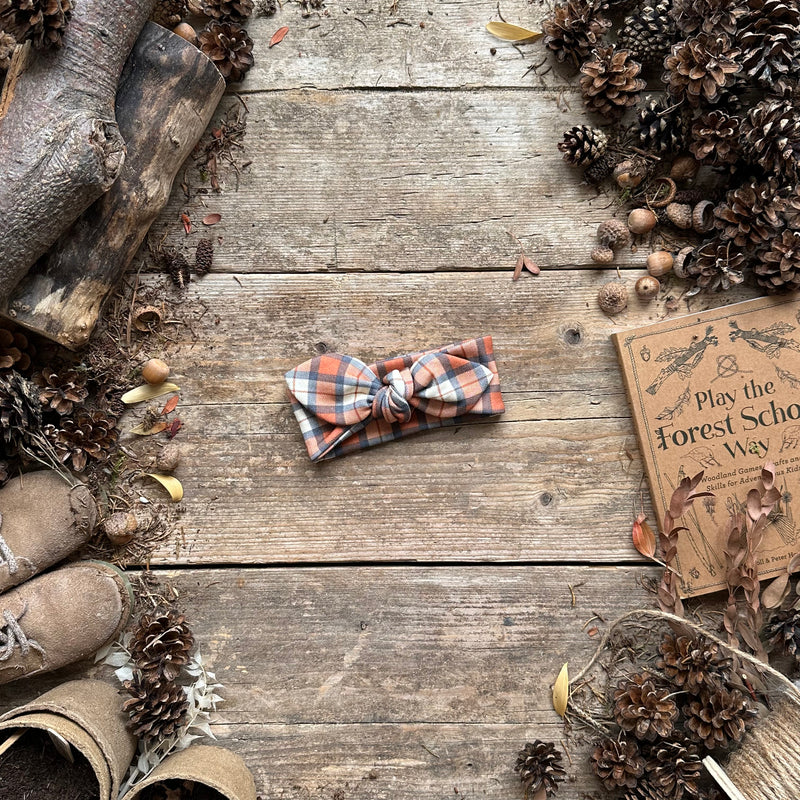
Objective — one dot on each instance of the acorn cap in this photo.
(88, 715)
(215, 767)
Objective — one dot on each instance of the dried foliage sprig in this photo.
(745, 533)
(669, 598)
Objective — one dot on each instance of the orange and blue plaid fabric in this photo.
(343, 404)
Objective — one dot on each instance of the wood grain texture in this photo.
(368, 43)
(401, 682)
(400, 182)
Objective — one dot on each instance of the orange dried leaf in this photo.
(518, 268)
(211, 219)
(529, 265)
(277, 37)
(141, 430)
(187, 223)
(170, 405)
(644, 540)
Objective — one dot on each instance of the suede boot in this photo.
(60, 617)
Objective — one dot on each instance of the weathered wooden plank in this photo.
(401, 682)
(400, 182)
(410, 43)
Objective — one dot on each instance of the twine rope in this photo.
(12, 635)
(6, 555)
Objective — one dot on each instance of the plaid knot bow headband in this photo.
(343, 404)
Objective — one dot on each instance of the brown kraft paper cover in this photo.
(719, 391)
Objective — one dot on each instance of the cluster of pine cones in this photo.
(670, 720)
(42, 22)
(224, 38)
(160, 648)
(61, 405)
(730, 73)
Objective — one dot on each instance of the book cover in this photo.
(719, 391)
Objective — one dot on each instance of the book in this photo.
(719, 391)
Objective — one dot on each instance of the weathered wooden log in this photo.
(60, 147)
(167, 95)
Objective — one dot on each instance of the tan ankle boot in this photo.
(43, 520)
(60, 617)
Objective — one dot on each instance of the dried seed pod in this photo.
(682, 260)
(612, 298)
(613, 233)
(121, 527)
(684, 169)
(641, 220)
(603, 255)
(155, 371)
(659, 263)
(146, 318)
(680, 215)
(703, 216)
(647, 287)
(630, 173)
(169, 457)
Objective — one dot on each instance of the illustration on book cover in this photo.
(716, 391)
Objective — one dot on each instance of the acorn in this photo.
(186, 31)
(659, 263)
(647, 287)
(703, 216)
(613, 233)
(641, 220)
(612, 298)
(169, 457)
(629, 173)
(120, 528)
(155, 371)
(603, 255)
(684, 257)
(680, 215)
(684, 169)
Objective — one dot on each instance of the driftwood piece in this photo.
(60, 146)
(167, 95)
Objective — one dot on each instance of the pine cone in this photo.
(662, 125)
(771, 138)
(715, 138)
(228, 10)
(157, 709)
(583, 145)
(596, 173)
(576, 28)
(15, 349)
(644, 708)
(644, 790)
(539, 765)
(698, 68)
(769, 38)
(674, 769)
(161, 644)
(7, 45)
(84, 437)
(176, 266)
(648, 34)
(693, 663)
(609, 84)
(778, 267)
(204, 257)
(749, 215)
(708, 16)
(169, 13)
(59, 390)
(716, 266)
(618, 763)
(719, 717)
(41, 21)
(229, 47)
(783, 632)
(20, 411)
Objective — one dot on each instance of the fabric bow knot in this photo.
(342, 404)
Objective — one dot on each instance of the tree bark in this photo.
(60, 147)
(167, 95)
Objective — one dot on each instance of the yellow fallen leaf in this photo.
(511, 33)
(147, 392)
(172, 485)
(561, 692)
(149, 430)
